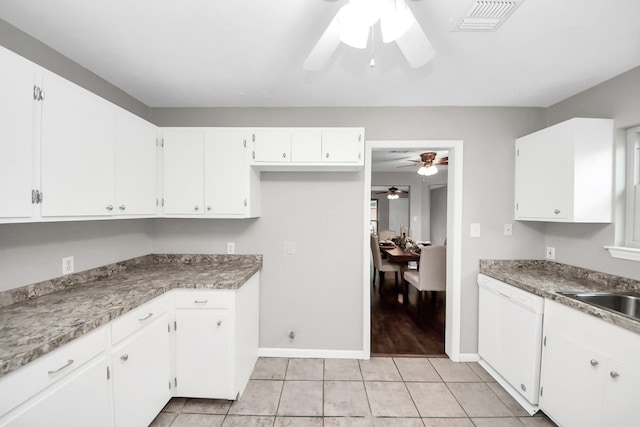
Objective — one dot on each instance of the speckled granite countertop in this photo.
(39, 318)
(546, 278)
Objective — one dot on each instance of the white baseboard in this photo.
(310, 353)
(468, 357)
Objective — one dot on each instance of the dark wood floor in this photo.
(398, 330)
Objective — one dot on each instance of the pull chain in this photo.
(372, 63)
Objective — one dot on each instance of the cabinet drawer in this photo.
(211, 298)
(137, 318)
(21, 384)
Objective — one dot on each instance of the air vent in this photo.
(486, 15)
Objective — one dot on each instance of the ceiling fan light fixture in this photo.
(393, 196)
(428, 171)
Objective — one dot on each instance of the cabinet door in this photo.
(342, 145)
(77, 151)
(18, 110)
(621, 396)
(183, 172)
(544, 171)
(203, 347)
(272, 145)
(572, 381)
(135, 190)
(81, 399)
(225, 171)
(141, 372)
(306, 145)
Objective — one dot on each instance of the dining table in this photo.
(402, 257)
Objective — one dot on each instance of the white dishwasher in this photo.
(510, 338)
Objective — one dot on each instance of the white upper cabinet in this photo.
(564, 173)
(19, 110)
(271, 145)
(343, 145)
(183, 171)
(307, 149)
(77, 155)
(226, 172)
(136, 160)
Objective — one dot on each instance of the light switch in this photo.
(475, 230)
(508, 229)
(289, 248)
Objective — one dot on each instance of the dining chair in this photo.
(386, 234)
(431, 274)
(380, 265)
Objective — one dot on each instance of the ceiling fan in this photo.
(428, 162)
(393, 193)
(354, 21)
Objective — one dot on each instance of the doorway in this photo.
(453, 236)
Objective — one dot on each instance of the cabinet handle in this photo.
(557, 211)
(110, 208)
(124, 357)
(145, 318)
(284, 155)
(219, 322)
(36, 91)
(69, 362)
(208, 208)
(200, 302)
(327, 155)
(122, 207)
(196, 208)
(594, 362)
(614, 374)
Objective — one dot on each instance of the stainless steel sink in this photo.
(625, 303)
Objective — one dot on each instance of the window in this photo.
(374, 216)
(632, 228)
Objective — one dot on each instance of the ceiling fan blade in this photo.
(441, 161)
(325, 47)
(415, 45)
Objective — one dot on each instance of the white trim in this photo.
(454, 239)
(310, 353)
(621, 252)
(468, 357)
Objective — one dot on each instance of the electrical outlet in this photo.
(231, 248)
(508, 229)
(551, 252)
(474, 230)
(67, 265)
(289, 248)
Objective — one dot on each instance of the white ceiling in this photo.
(207, 53)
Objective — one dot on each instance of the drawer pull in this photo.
(69, 362)
(145, 318)
(200, 302)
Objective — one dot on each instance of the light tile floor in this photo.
(381, 392)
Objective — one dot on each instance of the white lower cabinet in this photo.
(141, 384)
(216, 340)
(590, 370)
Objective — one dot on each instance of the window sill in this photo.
(621, 252)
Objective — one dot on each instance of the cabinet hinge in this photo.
(253, 138)
(157, 203)
(360, 138)
(544, 342)
(169, 327)
(169, 385)
(244, 143)
(175, 325)
(162, 142)
(108, 373)
(245, 202)
(518, 152)
(253, 155)
(517, 206)
(541, 389)
(359, 156)
(162, 202)
(175, 382)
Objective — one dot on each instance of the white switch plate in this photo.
(231, 248)
(67, 265)
(289, 248)
(508, 229)
(475, 230)
(551, 252)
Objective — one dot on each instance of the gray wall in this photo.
(583, 244)
(438, 215)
